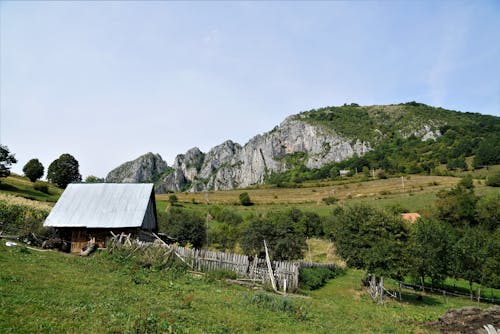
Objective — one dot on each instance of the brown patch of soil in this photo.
(467, 320)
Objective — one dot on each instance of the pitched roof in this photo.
(105, 205)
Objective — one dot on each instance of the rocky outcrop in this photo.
(230, 165)
(147, 168)
(305, 138)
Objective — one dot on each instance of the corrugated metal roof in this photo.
(101, 205)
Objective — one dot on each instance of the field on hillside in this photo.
(419, 193)
(49, 292)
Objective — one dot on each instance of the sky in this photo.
(109, 81)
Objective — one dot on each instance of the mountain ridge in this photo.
(308, 140)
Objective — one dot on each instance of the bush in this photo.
(184, 226)
(41, 187)
(245, 199)
(330, 200)
(315, 278)
(277, 304)
(173, 199)
(494, 180)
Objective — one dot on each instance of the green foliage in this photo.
(184, 226)
(43, 187)
(315, 278)
(458, 205)
(33, 170)
(19, 218)
(390, 130)
(431, 244)
(487, 152)
(330, 200)
(217, 275)
(494, 180)
(224, 236)
(6, 161)
(277, 304)
(94, 179)
(245, 199)
(64, 171)
(282, 231)
(173, 199)
(371, 239)
(476, 256)
(488, 211)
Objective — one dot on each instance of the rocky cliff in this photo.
(147, 168)
(312, 138)
(230, 165)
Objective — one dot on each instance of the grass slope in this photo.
(418, 194)
(23, 187)
(48, 292)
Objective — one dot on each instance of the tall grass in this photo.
(21, 216)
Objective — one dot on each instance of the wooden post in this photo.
(381, 287)
(270, 268)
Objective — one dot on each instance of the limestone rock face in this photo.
(308, 139)
(230, 165)
(146, 168)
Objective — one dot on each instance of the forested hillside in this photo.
(409, 138)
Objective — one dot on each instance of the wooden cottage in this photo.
(94, 210)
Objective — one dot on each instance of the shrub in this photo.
(245, 199)
(315, 278)
(330, 200)
(41, 187)
(494, 180)
(277, 304)
(381, 174)
(173, 199)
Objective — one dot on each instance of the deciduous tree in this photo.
(33, 170)
(64, 170)
(6, 161)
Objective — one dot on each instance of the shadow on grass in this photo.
(26, 193)
(419, 299)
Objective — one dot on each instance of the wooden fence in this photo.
(286, 273)
(244, 266)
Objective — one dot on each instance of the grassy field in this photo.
(21, 186)
(49, 292)
(419, 193)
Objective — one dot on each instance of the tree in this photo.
(6, 161)
(33, 170)
(245, 199)
(94, 179)
(64, 170)
(487, 153)
(458, 205)
(183, 226)
(476, 253)
(371, 239)
(431, 242)
(281, 232)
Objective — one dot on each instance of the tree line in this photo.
(459, 238)
(62, 171)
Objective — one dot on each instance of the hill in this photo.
(406, 138)
(21, 186)
(102, 294)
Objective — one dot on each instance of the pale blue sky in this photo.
(109, 81)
